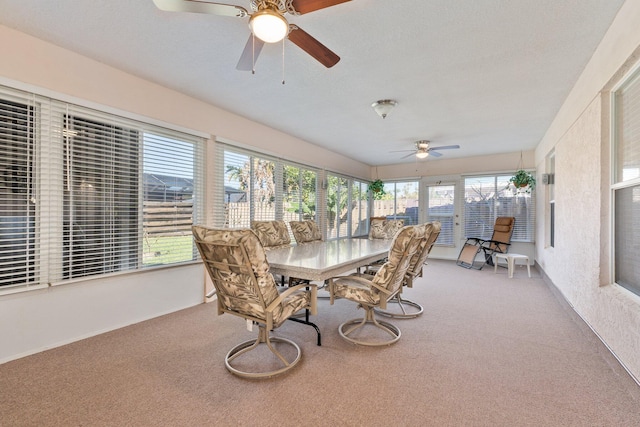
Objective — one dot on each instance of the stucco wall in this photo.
(579, 265)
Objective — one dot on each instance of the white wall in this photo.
(35, 320)
(579, 264)
(45, 318)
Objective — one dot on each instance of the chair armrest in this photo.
(494, 242)
(355, 278)
(291, 290)
(475, 239)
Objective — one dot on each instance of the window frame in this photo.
(50, 110)
(529, 199)
(618, 183)
(443, 234)
(394, 191)
(221, 196)
(350, 199)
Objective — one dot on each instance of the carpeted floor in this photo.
(488, 351)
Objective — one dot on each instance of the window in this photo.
(440, 207)
(551, 164)
(86, 193)
(347, 207)
(490, 197)
(400, 201)
(261, 188)
(170, 170)
(626, 183)
(100, 218)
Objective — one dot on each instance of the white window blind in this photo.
(360, 210)
(337, 206)
(440, 207)
(400, 201)
(18, 232)
(347, 207)
(489, 197)
(172, 187)
(76, 190)
(626, 186)
(254, 186)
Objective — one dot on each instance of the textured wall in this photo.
(580, 263)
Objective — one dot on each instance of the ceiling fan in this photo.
(423, 150)
(267, 24)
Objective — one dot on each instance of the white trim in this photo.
(141, 270)
(48, 93)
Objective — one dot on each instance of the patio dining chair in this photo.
(373, 292)
(400, 307)
(237, 265)
(305, 231)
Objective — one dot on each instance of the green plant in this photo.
(377, 189)
(523, 181)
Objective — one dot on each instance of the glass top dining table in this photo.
(322, 260)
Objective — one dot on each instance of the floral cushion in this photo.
(242, 290)
(382, 228)
(305, 231)
(390, 276)
(431, 233)
(271, 233)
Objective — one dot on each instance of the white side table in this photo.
(511, 262)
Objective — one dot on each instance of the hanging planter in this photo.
(377, 189)
(523, 181)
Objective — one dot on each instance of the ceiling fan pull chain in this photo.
(283, 61)
(253, 53)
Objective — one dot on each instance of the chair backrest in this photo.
(431, 233)
(238, 267)
(272, 234)
(502, 231)
(383, 228)
(305, 231)
(391, 275)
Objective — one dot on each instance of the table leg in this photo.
(307, 322)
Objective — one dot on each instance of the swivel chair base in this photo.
(403, 313)
(263, 338)
(369, 319)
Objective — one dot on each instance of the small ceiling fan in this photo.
(267, 24)
(423, 150)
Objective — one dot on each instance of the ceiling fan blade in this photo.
(306, 6)
(250, 53)
(445, 147)
(402, 151)
(408, 155)
(434, 153)
(313, 47)
(199, 6)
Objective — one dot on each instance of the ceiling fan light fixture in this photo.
(383, 107)
(269, 26)
(422, 154)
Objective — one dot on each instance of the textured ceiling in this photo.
(488, 75)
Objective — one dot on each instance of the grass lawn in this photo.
(160, 250)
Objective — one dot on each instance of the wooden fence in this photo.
(167, 218)
(175, 218)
